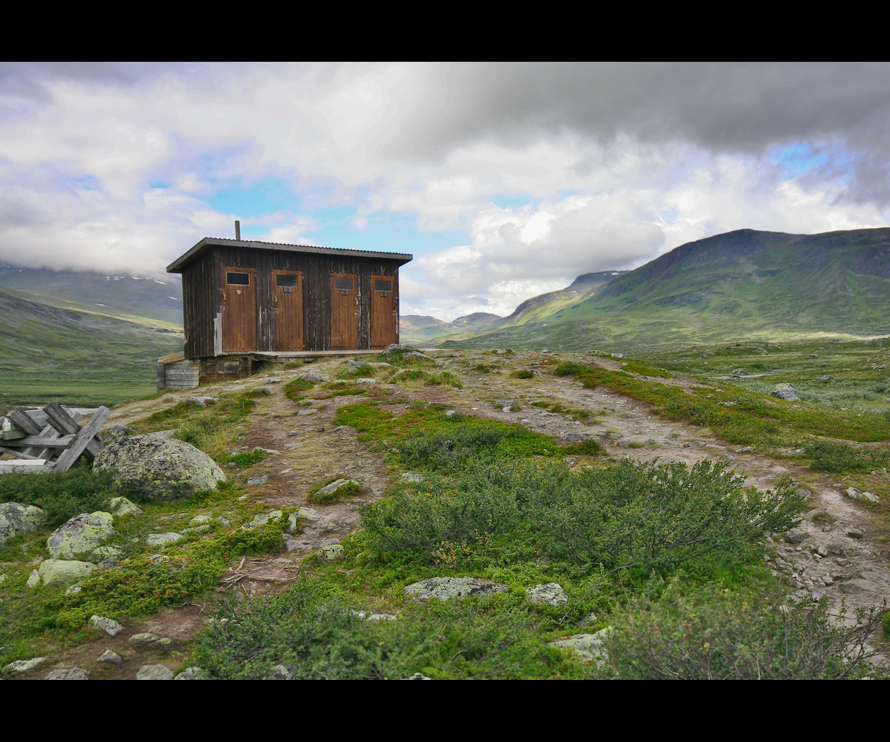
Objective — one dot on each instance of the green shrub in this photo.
(62, 495)
(246, 458)
(837, 458)
(710, 633)
(312, 631)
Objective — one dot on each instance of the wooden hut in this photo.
(248, 301)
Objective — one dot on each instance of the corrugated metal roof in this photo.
(177, 265)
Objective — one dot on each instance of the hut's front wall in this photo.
(204, 294)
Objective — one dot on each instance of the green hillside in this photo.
(735, 286)
(79, 358)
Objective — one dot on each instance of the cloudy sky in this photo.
(503, 180)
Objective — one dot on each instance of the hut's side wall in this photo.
(199, 300)
(316, 270)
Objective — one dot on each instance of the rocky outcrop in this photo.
(159, 469)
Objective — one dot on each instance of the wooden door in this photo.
(344, 311)
(239, 310)
(287, 310)
(383, 311)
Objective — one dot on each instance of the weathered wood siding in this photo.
(202, 282)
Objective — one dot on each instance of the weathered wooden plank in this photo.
(66, 425)
(19, 454)
(11, 435)
(23, 465)
(83, 440)
(46, 441)
(21, 419)
(50, 432)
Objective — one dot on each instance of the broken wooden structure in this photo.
(51, 438)
(247, 302)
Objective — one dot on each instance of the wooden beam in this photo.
(83, 440)
(22, 465)
(19, 454)
(46, 441)
(65, 424)
(20, 418)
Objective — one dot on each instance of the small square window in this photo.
(237, 279)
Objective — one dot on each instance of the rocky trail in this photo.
(837, 551)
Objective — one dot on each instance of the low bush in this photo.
(839, 458)
(709, 633)
(62, 495)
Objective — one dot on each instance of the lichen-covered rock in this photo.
(119, 506)
(260, 520)
(551, 594)
(784, 390)
(16, 518)
(154, 641)
(332, 552)
(110, 657)
(154, 672)
(587, 647)
(194, 673)
(108, 625)
(159, 469)
(80, 535)
(445, 588)
(56, 572)
(69, 673)
(24, 665)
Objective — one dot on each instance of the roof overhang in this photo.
(208, 242)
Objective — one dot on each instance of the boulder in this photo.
(587, 647)
(16, 518)
(784, 390)
(63, 572)
(80, 535)
(159, 469)
(551, 594)
(154, 672)
(70, 673)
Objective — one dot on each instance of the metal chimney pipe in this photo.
(237, 230)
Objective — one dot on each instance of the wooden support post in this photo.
(18, 454)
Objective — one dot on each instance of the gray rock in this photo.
(867, 580)
(856, 494)
(412, 476)
(120, 506)
(418, 676)
(108, 625)
(80, 535)
(159, 469)
(356, 365)
(202, 401)
(445, 588)
(331, 489)
(70, 673)
(365, 380)
(314, 377)
(151, 640)
(784, 390)
(797, 536)
(258, 480)
(16, 518)
(575, 437)
(154, 672)
(193, 673)
(551, 594)
(587, 647)
(116, 431)
(57, 572)
(505, 403)
(24, 665)
(260, 520)
(110, 657)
